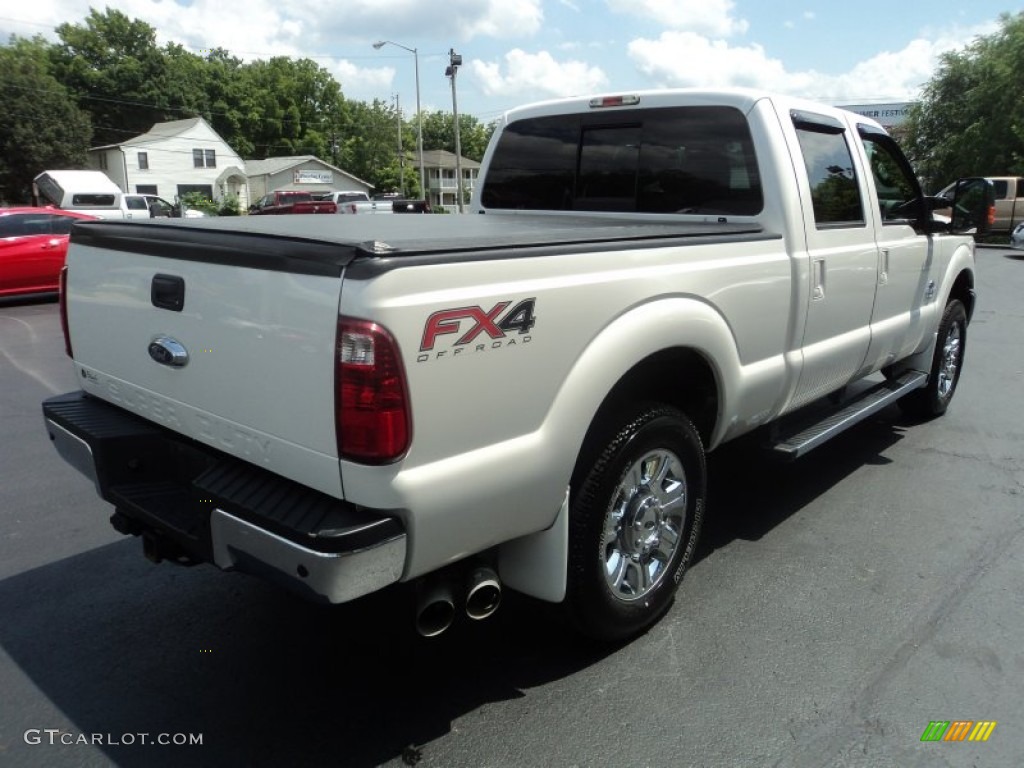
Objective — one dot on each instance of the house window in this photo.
(146, 189)
(143, 161)
(102, 158)
(204, 158)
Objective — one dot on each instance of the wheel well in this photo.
(963, 289)
(679, 377)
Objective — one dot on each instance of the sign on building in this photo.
(308, 176)
(889, 115)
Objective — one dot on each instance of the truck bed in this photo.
(300, 243)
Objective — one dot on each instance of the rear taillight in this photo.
(63, 288)
(371, 402)
(992, 215)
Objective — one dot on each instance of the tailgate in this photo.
(224, 336)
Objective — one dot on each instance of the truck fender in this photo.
(536, 564)
(957, 282)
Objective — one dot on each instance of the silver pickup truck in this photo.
(521, 397)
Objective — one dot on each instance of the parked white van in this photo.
(90, 192)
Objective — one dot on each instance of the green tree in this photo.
(287, 107)
(113, 67)
(41, 128)
(970, 119)
(439, 133)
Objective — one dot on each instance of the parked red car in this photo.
(33, 244)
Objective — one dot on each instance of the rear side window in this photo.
(672, 160)
(137, 204)
(96, 201)
(835, 193)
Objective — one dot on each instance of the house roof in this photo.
(159, 132)
(442, 158)
(274, 165)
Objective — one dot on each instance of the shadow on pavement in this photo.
(119, 646)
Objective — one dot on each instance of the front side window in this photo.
(697, 160)
(61, 225)
(835, 193)
(899, 194)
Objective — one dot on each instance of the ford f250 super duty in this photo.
(521, 397)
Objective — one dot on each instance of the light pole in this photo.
(419, 114)
(454, 62)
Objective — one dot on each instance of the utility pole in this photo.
(419, 113)
(454, 62)
(401, 157)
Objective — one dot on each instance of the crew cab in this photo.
(523, 397)
(288, 201)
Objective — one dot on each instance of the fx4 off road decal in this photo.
(477, 329)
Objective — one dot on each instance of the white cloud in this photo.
(460, 20)
(683, 59)
(709, 17)
(368, 79)
(536, 76)
(679, 59)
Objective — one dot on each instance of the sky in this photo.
(520, 51)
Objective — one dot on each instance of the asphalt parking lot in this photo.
(838, 606)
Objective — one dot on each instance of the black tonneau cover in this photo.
(318, 244)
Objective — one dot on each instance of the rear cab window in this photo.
(697, 160)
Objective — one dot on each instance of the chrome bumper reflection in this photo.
(334, 577)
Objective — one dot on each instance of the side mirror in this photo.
(973, 210)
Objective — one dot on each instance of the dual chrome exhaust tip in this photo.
(436, 599)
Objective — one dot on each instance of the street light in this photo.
(454, 62)
(419, 114)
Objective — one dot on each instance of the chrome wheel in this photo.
(636, 505)
(644, 524)
(947, 364)
(950, 362)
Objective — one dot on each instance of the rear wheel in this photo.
(634, 522)
(934, 398)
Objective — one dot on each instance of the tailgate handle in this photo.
(168, 292)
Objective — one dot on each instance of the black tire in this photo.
(934, 398)
(649, 470)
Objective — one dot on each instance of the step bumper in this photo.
(186, 497)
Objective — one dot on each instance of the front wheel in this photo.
(634, 519)
(933, 399)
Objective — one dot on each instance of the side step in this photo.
(866, 403)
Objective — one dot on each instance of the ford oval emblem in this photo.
(168, 351)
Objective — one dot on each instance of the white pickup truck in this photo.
(522, 397)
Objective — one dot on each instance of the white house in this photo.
(442, 188)
(175, 158)
(304, 172)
